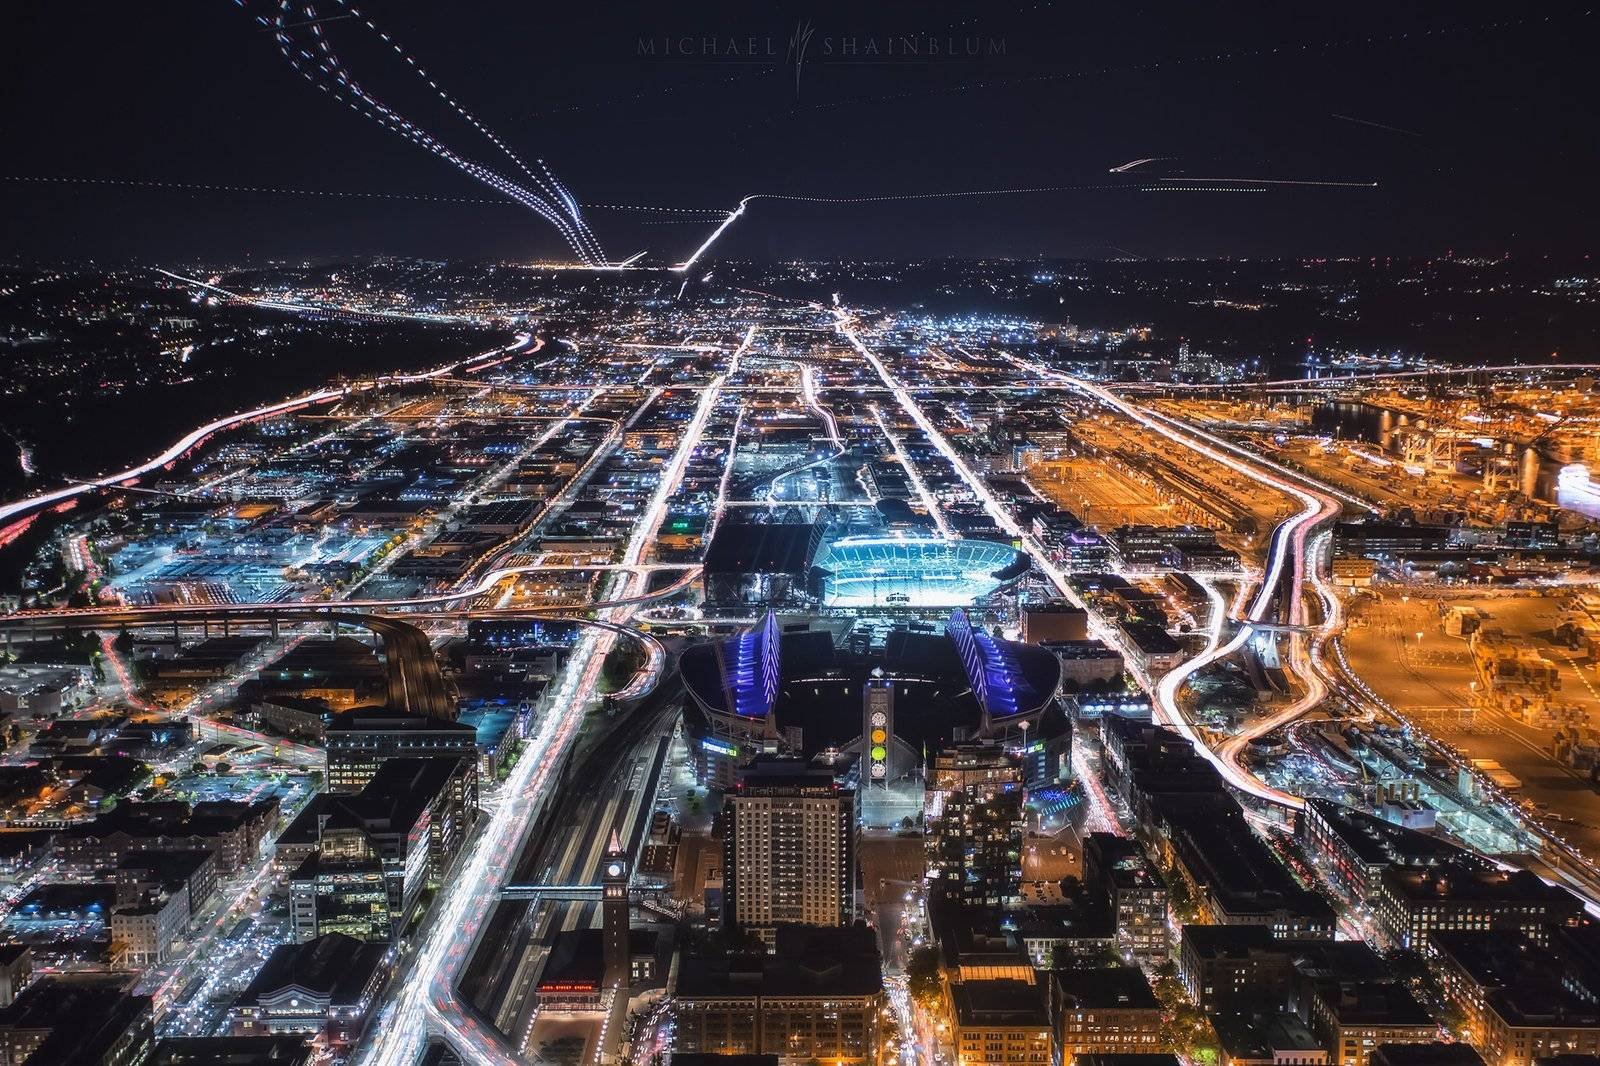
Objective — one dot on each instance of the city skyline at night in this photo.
(921, 536)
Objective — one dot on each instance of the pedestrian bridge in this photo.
(550, 892)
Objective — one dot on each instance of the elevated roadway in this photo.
(19, 509)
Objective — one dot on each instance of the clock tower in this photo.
(614, 915)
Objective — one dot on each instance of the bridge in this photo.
(524, 891)
(415, 682)
(1279, 627)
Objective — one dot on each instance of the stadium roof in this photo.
(755, 548)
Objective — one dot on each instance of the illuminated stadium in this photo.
(880, 708)
(915, 571)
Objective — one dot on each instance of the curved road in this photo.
(21, 508)
(1287, 549)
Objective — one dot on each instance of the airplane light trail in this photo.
(1375, 125)
(347, 194)
(1124, 168)
(260, 190)
(724, 217)
(1217, 185)
(314, 59)
(1282, 181)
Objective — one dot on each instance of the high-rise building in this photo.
(789, 854)
(411, 819)
(975, 821)
(341, 888)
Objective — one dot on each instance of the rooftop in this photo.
(333, 966)
(999, 1004)
(1107, 987)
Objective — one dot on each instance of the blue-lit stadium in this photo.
(799, 691)
(912, 570)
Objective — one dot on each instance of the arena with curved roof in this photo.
(798, 692)
(908, 570)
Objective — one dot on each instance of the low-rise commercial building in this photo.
(233, 831)
(323, 989)
(1235, 879)
(143, 933)
(1000, 1023)
(362, 740)
(1114, 866)
(232, 1051)
(77, 1021)
(818, 995)
(1352, 849)
(1437, 1053)
(1108, 1010)
(1521, 1000)
(1413, 904)
(1275, 1038)
(1353, 1018)
(1232, 967)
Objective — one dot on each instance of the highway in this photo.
(415, 682)
(21, 508)
(422, 1000)
(845, 323)
(158, 614)
(1287, 551)
(1306, 544)
(830, 426)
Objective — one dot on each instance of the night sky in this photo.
(1478, 122)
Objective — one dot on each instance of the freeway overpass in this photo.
(415, 682)
(19, 509)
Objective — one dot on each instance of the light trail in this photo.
(1100, 815)
(424, 1001)
(312, 610)
(1374, 125)
(1281, 181)
(1132, 163)
(1308, 663)
(1219, 185)
(311, 55)
(1000, 516)
(808, 392)
(694, 256)
(1256, 459)
(739, 211)
(23, 507)
(1298, 384)
(256, 190)
(1286, 548)
(323, 310)
(929, 504)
